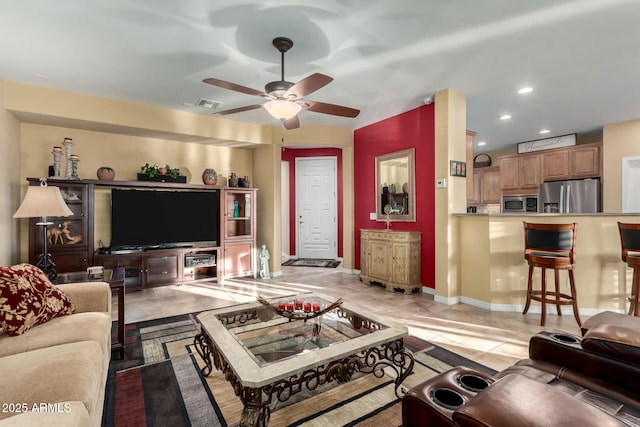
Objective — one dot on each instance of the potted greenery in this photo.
(164, 174)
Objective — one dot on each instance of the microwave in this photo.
(519, 204)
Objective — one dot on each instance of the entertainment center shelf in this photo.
(232, 255)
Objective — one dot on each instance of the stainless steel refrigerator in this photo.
(574, 196)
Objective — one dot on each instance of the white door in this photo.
(631, 184)
(316, 219)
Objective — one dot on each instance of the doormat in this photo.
(329, 263)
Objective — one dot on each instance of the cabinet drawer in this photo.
(162, 268)
(385, 236)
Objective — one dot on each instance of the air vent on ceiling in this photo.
(208, 103)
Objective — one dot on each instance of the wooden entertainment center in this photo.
(71, 239)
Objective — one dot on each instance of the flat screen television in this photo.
(147, 219)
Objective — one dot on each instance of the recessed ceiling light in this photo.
(524, 90)
(505, 117)
(545, 131)
(482, 143)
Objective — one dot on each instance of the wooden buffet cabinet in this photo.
(391, 259)
(71, 239)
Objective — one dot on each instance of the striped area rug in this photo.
(158, 383)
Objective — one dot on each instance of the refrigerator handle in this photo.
(561, 204)
(568, 199)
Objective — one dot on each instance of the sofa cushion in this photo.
(27, 298)
(62, 373)
(61, 330)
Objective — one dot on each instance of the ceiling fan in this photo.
(285, 98)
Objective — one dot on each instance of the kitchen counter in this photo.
(493, 273)
(550, 215)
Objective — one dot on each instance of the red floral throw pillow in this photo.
(28, 298)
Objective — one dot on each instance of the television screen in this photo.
(149, 218)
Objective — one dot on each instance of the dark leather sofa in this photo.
(589, 380)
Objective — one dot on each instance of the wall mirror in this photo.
(395, 186)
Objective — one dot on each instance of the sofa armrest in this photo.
(618, 342)
(89, 296)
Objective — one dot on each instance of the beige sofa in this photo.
(55, 374)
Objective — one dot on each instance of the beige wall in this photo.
(125, 136)
(10, 194)
(125, 154)
(495, 273)
(450, 141)
(620, 140)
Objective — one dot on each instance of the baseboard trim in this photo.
(535, 309)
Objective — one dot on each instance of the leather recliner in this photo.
(593, 380)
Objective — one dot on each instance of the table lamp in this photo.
(43, 201)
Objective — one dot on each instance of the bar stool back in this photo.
(550, 246)
(630, 244)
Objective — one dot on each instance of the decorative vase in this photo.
(244, 182)
(209, 177)
(233, 180)
(105, 173)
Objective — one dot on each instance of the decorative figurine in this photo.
(264, 262)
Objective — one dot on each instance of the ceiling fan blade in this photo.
(232, 86)
(292, 123)
(309, 85)
(335, 110)
(237, 110)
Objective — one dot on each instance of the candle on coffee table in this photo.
(307, 307)
(298, 304)
(316, 307)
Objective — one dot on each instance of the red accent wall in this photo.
(290, 155)
(415, 128)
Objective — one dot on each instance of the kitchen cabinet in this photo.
(486, 185)
(520, 173)
(391, 259)
(580, 161)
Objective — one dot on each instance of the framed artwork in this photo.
(457, 168)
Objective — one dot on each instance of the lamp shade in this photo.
(41, 201)
(282, 109)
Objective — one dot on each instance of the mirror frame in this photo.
(410, 215)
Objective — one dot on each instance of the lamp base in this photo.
(46, 264)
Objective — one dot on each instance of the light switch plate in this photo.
(441, 183)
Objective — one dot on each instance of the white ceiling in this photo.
(581, 57)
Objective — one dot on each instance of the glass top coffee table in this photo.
(269, 351)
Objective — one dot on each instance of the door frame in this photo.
(334, 160)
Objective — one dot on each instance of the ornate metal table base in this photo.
(257, 401)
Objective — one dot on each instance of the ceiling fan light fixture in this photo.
(282, 109)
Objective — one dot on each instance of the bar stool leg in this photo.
(543, 296)
(557, 279)
(529, 290)
(574, 298)
(635, 294)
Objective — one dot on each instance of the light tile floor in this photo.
(495, 339)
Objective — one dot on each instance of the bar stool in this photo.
(550, 246)
(630, 243)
